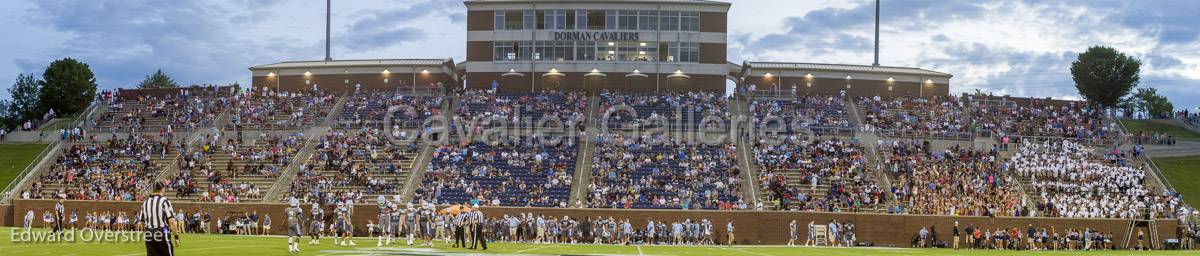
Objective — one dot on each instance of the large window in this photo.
(504, 51)
(647, 20)
(680, 21)
(669, 20)
(529, 20)
(627, 20)
(683, 52)
(597, 20)
(593, 51)
(689, 21)
(610, 20)
(585, 51)
(554, 51)
(510, 20)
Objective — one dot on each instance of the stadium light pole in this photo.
(876, 33)
(328, 5)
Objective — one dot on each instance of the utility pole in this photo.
(876, 33)
(328, 4)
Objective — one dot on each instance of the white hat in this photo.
(294, 202)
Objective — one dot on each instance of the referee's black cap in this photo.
(158, 187)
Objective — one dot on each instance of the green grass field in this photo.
(1184, 174)
(1161, 126)
(14, 158)
(225, 245)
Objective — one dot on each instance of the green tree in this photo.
(25, 94)
(1104, 75)
(158, 80)
(68, 86)
(1155, 105)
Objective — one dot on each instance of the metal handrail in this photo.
(12, 185)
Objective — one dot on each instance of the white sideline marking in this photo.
(195, 249)
(531, 249)
(750, 252)
(640, 250)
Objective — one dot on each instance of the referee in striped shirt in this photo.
(159, 224)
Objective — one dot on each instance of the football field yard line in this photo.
(533, 249)
(749, 252)
(640, 250)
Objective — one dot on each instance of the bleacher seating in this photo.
(936, 117)
(826, 174)
(670, 111)
(1000, 117)
(238, 169)
(953, 181)
(368, 109)
(356, 164)
(508, 171)
(820, 114)
(660, 173)
(117, 169)
(271, 110)
(485, 109)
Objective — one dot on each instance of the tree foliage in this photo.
(157, 80)
(25, 94)
(1104, 75)
(68, 86)
(1154, 104)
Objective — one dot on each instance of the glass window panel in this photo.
(610, 20)
(529, 20)
(498, 21)
(581, 19)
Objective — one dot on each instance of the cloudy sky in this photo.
(1021, 48)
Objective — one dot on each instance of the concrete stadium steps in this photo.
(157, 162)
(220, 162)
(323, 112)
(375, 171)
(150, 122)
(583, 164)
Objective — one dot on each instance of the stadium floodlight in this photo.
(768, 75)
(424, 71)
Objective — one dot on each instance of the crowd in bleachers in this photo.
(350, 164)
(953, 181)
(491, 109)
(176, 111)
(116, 169)
(672, 110)
(922, 117)
(266, 156)
(663, 173)
(798, 171)
(1040, 118)
(507, 170)
(267, 109)
(369, 109)
(1073, 181)
(821, 114)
